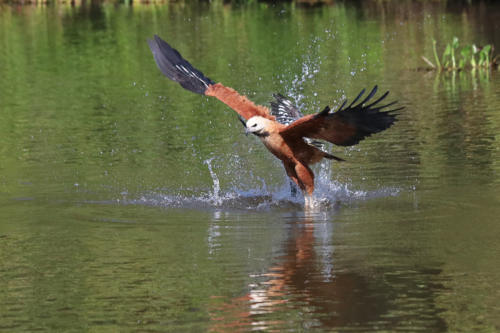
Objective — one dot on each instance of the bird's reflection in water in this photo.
(313, 285)
(304, 283)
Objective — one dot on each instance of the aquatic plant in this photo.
(469, 56)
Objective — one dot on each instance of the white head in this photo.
(257, 125)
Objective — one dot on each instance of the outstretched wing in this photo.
(286, 113)
(284, 110)
(239, 103)
(347, 126)
(178, 69)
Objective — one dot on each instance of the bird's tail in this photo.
(320, 148)
(176, 68)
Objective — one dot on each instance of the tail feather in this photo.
(320, 147)
(176, 68)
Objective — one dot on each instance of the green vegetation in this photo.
(469, 56)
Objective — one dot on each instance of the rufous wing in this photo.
(239, 103)
(178, 69)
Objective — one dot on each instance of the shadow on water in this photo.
(315, 283)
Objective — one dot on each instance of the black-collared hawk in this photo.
(283, 129)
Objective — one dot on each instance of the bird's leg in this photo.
(305, 178)
(308, 202)
(290, 171)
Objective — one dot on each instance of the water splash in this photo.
(310, 67)
(216, 199)
(328, 195)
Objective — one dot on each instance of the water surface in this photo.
(129, 204)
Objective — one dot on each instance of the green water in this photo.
(130, 204)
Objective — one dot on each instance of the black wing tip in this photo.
(283, 109)
(357, 97)
(324, 112)
(343, 104)
(370, 95)
(278, 98)
(175, 67)
(362, 106)
(369, 119)
(395, 112)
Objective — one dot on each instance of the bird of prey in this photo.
(285, 132)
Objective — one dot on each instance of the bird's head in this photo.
(257, 125)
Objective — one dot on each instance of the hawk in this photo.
(286, 133)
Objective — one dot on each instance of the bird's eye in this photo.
(254, 125)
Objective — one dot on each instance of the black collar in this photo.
(261, 135)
